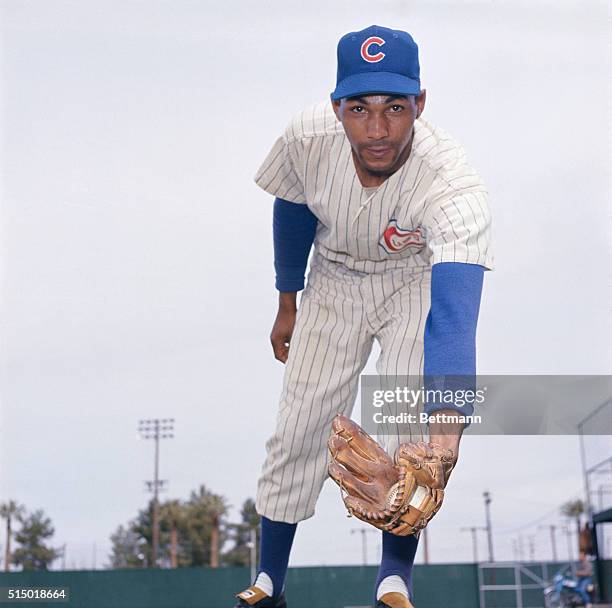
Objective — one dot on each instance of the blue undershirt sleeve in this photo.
(293, 227)
(450, 330)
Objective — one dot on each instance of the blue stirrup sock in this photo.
(398, 554)
(276, 541)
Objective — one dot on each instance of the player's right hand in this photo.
(282, 332)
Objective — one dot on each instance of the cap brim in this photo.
(376, 82)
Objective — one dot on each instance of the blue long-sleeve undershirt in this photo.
(294, 226)
(450, 330)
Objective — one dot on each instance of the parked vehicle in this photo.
(567, 592)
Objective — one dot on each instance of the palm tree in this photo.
(573, 509)
(10, 510)
(217, 510)
(240, 534)
(207, 528)
(172, 512)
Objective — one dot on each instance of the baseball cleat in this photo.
(394, 600)
(254, 597)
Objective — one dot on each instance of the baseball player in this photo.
(401, 229)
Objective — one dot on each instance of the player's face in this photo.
(379, 128)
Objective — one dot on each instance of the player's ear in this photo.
(336, 107)
(420, 101)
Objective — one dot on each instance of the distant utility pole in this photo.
(487, 500)
(531, 541)
(521, 547)
(474, 530)
(553, 539)
(156, 428)
(364, 542)
(568, 533)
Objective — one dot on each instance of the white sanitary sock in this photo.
(390, 584)
(264, 582)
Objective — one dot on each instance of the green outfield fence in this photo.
(435, 586)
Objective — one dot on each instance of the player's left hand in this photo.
(431, 462)
(447, 435)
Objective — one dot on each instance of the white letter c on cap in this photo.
(365, 49)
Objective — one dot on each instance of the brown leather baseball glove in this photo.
(399, 496)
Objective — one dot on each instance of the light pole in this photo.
(156, 429)
(586, 472)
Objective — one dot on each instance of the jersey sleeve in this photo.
(458, 229)
(279, 174)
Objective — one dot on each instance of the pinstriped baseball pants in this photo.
(341, 313)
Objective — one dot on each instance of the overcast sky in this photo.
(137, 276)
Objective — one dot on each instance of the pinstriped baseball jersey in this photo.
(433, 209)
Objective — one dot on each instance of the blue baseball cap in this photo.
(377, 60)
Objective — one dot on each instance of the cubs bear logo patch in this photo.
(396, 239)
